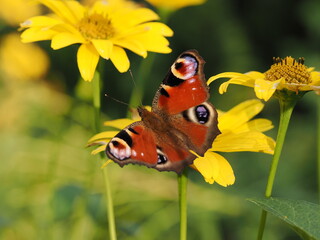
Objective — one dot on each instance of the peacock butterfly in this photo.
(181, 119)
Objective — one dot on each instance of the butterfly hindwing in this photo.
(199, 124)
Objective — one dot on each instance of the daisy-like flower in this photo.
(286, 75)
(174, 5)
(238, 133)
(105, 29)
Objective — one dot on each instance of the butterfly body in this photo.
(181, 120)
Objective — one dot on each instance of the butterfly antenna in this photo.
(135, 85)
(117, 100)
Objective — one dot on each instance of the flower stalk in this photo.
(109, 202)
(287, 102)
(318, 142)
(182, 185)
(143, 73)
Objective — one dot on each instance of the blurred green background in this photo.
(52, 188)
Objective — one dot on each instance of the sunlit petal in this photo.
(40, 21)
(119, 123)
(69, 11)
(120, 59)
(99, 149)
(233, 75)
(135, 17)
(37, 34)
(245, 141)
(213, 167)
(153, 42)
(102, 137)
(157, 27)
(226, 176)
(106, 163)
(87, 58)
(259, 125)
(133, 45)
(208, 166)
(265, 89)
(65, 39)
(240, 114)
(176, 4)
(255, 75)
(104, 47)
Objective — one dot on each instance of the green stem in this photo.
(318, 147)
(96, 101)
(143, 73)
(109, 202)
(286, 108)
(111, 218)
(182, 184)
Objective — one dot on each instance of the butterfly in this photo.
(181, 119)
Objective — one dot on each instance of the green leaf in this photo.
(302, 216)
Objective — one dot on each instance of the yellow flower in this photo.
(238, 133)
(17, 60)
(174, 5)
(285, 74)
(105, 29)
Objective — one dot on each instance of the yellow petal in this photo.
(102, 137)
(157, 27)
(70, 11)
(65, 39)
(207, 166)
(133, 45)
(99, 149)
(246, 141)
(259, 125)
(119, 123)
(213, 167)
(104, 47)
(120, 59)
(134, 17)
(150, 36)
(106, 163)
(264, 89)
(153, 42)
(40, 21)
(239, 78)
(37, 34)
(239, 114)
(255, 75)
(315, 78)
(87, 58)
(174, 5)
(226, 176)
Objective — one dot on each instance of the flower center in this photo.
(291, 70)
(96, 26)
